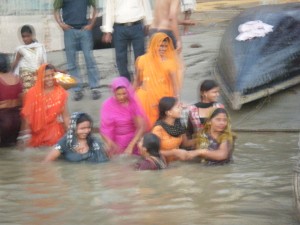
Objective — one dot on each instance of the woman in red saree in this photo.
(157, 74)
(45, 113)
(10, 104)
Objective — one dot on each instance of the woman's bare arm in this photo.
(66, 116)
(178, 153)
(140, 130)
(174, 83)
(136, 81)
(16, 62)
(222, 153)
(52, 155)
(188, 143)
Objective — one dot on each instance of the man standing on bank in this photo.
(126, 18)
(71, 16)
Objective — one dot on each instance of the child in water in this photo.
(28, 58)
(149, 147)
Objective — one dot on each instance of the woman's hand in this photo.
(113, 148)
(129, 150)
(23, 139)
(195, 153)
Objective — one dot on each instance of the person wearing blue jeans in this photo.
(71, 15)
(124, 36)
(128, 20)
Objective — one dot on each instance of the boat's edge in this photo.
(237, 99)
(296, 189)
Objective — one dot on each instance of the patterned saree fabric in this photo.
(43, 112)
(67, 145)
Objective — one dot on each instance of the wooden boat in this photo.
(252, 69)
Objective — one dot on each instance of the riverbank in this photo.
(278, 112)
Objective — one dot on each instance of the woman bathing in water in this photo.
(216, 141)
(149, 147)
(79, 145)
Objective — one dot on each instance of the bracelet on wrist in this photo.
(23, 137)
(26, 131)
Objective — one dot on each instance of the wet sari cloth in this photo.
(191, 118)
(154, 75)
(43, 112)
(117, 121)
(33, 55)
(10, 120)
(151, 163)
(68, 144)
(211, 144)
(206, 141)
(170, 136)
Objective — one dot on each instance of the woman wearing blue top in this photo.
(79, 144)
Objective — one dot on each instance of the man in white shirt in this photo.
(126, 19)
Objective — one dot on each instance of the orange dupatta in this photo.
(154, 75)
(41, 111)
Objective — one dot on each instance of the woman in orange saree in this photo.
(45, 114)
(157, 74)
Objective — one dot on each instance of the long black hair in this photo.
(85, 118)
(207, 85)
(4, 63)
(165, 104)
(152, 143)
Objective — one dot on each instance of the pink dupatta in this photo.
(117, 120)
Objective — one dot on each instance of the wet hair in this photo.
(207, 85)
(165, 104)
(227, 133)
(49, 67)
(167, 39)
(27, 29)
(216, 112)
(152, 143)
(83, 118)
(4, 63)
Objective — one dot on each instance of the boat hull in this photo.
(252, 69)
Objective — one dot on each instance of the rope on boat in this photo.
(248, 115)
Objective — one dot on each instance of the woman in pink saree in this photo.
(122, 120)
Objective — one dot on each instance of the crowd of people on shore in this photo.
(143, 116)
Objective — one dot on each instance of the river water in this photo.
(256, 189)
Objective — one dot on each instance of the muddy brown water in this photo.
(255, 189)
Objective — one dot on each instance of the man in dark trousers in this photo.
(128, 20)
(71, 16)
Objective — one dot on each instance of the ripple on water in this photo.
(255, 189)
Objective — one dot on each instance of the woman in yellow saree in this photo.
(157, 74)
